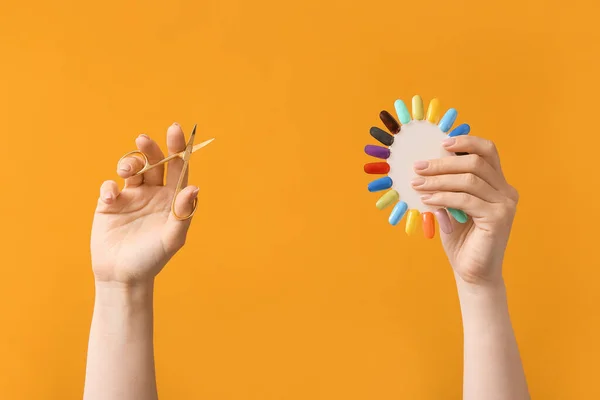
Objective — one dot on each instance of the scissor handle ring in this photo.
(137, 153)
(187, 217)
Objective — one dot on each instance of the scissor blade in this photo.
(203, 144)
(192, 136)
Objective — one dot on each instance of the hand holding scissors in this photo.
(185, 156)
(138, 229)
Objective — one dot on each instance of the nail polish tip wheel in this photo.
(416, 138)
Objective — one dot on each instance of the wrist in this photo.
(118, 294)
(488, 289)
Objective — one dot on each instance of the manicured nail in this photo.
(143, 135)
(418, 181)
(195, 193)
(176, 124)
(421, 165)
(426, 197)
(449, 142)
(125, 167)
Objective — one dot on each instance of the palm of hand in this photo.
(474, 248)
(134, 232)
(128, 237)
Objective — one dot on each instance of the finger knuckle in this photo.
(470, 179)
(431, 182)
(434, 166)
(515, 196)
(505, 211)
(490, 146)
(475, 162)
(465, 198)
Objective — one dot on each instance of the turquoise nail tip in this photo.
(398, 212)
(448, 120)
(462, 129)
(458, 215)
(380, 184)
(402, 111)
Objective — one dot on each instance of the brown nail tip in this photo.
(390, 122)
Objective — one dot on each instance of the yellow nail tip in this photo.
(387, 199)
(417, 107)
(412, 222)
(433, 112)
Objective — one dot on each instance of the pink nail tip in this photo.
(444, 221)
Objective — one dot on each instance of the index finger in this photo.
(484, 148)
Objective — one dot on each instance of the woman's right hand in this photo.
(134, 233)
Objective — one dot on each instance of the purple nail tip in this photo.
(377, 151)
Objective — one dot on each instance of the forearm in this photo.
(120, 363)
(492, 364)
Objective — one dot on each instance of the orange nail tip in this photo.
(428, 225)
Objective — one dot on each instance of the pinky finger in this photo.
(109, 191)
(472, 205)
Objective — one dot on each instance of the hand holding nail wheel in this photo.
(410, 144)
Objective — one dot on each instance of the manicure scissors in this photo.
(185, 155)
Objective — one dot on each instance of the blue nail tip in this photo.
(448, 120)
(462, 129)
(380, 184)
(398, 212)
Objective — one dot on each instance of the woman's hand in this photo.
(475, 184)
(134, 232)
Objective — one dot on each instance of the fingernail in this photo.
(143, 135)
(449, 142)
(195, 193)
(426, 197)
(420, 165)
(417, 181)
(125, 167)
(175, 124)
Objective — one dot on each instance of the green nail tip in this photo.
(458, 215)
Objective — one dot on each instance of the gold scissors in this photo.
(185, 155)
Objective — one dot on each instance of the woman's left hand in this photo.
(475, 184)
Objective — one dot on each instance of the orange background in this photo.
(292, 284)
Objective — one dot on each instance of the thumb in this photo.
(184, 204)
(176, 230)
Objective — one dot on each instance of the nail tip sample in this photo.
(462, 129)
(433, 111)
(377, 151)
(459, 215)
(448, 120)
(380, 184)
(387, 199)
(417, 107)
(412, 220)
(397, 213)
(428, 225)
(381, 136)
(444, 220)
(390, 122)
(377, 168)
(402, 111)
